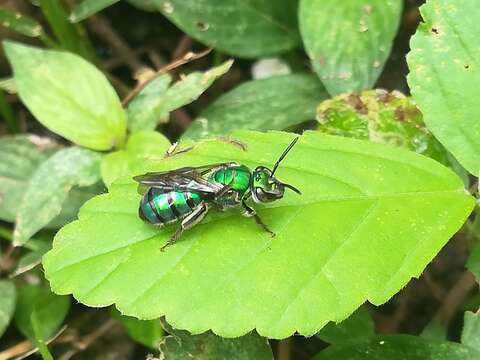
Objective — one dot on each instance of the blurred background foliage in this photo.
(339, 68)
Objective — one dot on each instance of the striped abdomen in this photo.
(158, 207)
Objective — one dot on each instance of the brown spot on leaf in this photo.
(412, 112)
(384, 97)
(435, 31)
(356, 102)
(399, 114)
(201, 25)
(322, 61)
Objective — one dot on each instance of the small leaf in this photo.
(19, 23)
(7, 304)
(49, 187)
(32, 258)
(21, 155)
(140, 146)
(246, 28)
(155, 102)
(349, 41)
(382, 117)
(68, 95)
(50, 310)
(180, 345)
(471, 330)
(369, 231)
(399, 347)
(444, 76)
(72, 37)
(357, 326)
(145, 110)
(275, 103)
(145, 332)
(88, 8)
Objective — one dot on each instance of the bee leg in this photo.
(172, 150)
(222, 192)
(235, 142)
(191, 220)
(250, 212)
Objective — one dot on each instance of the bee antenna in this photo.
(285, 152)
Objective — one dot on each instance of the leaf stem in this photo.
(40, 342)
(188, 57)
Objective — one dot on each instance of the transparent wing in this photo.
(182, 179)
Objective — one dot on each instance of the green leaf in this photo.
(7, 304)
(381, 117)
(180, 345)
(399, 347)
(156, 101)
(275, 103)
(471, 330)
(72, 37)
(21, 155)
(444, 76)
(376, 216)
(88, 8)
(50, 310)
(145, 332)
(19, 23)
(68, 95)
(243, 28)
(32, 258)
(145, 110)
(140, 146)
(357, 326)
(49, 187)
(76, 197)
(349, 41)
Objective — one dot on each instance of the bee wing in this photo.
(182, 179)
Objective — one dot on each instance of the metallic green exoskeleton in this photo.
(187, 193)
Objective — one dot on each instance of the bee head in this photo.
(265, 186)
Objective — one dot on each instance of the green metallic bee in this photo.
(187, 193)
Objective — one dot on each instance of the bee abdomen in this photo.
(158, 207)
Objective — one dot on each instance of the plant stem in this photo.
(40, 342)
